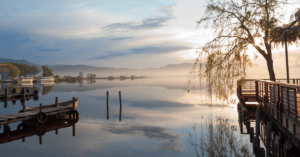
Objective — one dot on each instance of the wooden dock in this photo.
(41, 113)
(23, 95)
(270, 108)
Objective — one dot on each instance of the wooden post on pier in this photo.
(120, 115)
(74, 103)
(268, 139)
(23, 139)
(56, 131)
(56, 101)
(24, 94)
(5, 104)
(107, 105)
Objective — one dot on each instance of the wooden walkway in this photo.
(35, 113)
(274, 105)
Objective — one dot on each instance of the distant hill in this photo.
(170, 70)
(19, 61)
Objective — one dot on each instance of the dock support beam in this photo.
(268, 139)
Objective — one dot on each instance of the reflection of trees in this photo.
(46, 89)
(217, 138)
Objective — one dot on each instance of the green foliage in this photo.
(47, 72)
(25, 69)
(35, 70)
(236, 28)
(46, 90)
(13, 69)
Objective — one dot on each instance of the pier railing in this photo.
(277, 98)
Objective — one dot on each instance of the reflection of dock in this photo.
(274, 108)
(24, 129)
(23, 95)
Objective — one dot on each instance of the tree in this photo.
(13, 70)
(47, 72)
(25, 69)
(34, 70)
(240, 27)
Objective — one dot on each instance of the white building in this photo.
(80, 74)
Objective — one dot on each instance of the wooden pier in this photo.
(41, 113)
(270, 111)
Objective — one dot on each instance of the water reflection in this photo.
(154, 114)
(32, 128)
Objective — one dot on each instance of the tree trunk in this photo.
(271, 68)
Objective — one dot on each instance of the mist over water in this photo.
(157, 114)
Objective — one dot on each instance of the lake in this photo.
(157, 116)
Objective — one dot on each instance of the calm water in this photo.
(157, 116)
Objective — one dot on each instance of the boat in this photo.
(66, 104)
(45, 79)
(23, 79)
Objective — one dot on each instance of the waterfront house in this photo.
(4, 72)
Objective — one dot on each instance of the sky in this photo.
(115, 33)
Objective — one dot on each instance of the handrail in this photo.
(275, 97)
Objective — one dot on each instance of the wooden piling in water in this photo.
(73, 102)
(24, 106)
(120, 114)
(251, 134)
(56, 131)
(107, 105)
(5, 94)
(56, 101)
(40, 139)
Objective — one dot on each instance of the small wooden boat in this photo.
(66, 104)
(45, 79)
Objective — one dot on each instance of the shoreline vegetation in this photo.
(79, 79)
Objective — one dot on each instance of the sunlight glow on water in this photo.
(156, 115)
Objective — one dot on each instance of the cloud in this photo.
(122, 38)
(141, 50)
(149, 23)
(24, 39)
(171, 141)
(43, 48)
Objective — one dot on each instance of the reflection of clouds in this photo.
(171, 140)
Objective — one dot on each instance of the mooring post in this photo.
(73, 102)
(41, 106)
(257, 129)
(56, 101)
(107, 105)
(120, 115)
(23, 139)
(268, 139)
(73, 129)
(56, 131)
(24, 106)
